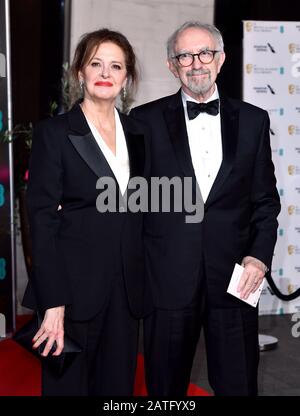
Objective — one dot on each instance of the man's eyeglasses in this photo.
(205, 57)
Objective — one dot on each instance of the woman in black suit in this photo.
(88, 268)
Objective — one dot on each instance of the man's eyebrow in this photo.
(183, 51)
(204, 48)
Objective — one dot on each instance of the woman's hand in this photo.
(51, 330)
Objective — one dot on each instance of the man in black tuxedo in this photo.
(224, 145)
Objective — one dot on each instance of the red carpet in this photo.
(20, 372)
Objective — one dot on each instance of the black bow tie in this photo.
(194, 109)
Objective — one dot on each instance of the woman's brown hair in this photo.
(89, 43)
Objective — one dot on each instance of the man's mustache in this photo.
(197, 72)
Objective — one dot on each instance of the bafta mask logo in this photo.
(292, 48)
(291, 209)
(292, 89)
(291, 129)
(249, 68)
(248, 26)
(291, 169)
(291, 249)
(290, 288)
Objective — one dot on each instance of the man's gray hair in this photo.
(198, 25)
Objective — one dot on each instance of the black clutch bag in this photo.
(56, 364)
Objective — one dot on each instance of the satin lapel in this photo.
(84, 142)
(175, 120)
(90, 152)
(229, 131)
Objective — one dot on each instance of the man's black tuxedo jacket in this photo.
(77, 251)
(240, 212)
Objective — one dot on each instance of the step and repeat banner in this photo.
(271, 80)
(7, 269)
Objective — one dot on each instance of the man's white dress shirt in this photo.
(205, 141)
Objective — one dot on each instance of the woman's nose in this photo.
(104, 71)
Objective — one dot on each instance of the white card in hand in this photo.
(232, 288)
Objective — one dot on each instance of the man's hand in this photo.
(252, 276)
(51, 330)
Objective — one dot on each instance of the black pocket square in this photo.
(57, 364)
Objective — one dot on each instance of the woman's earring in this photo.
(81, 83)
(124, 93)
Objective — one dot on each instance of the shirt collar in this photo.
(185, 97)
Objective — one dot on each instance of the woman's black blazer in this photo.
(78, 252)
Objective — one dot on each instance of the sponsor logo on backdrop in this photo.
(279, 152)
(277, 111)
(271, 48)
(264, 48)
(248, 26)
(255, 69)
(249, 68)
(281, 101)
(294, 48)
(277, 272)
(268, 89)
(294, 89)
(293, 210)
(265, 292)
(293, 170)
(272, 91)
(291, 288)
(293, 129)
(258, 27)
(293, 249)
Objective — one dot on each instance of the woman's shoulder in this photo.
(56, 123)
(64, 122)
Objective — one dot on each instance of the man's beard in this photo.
(196, 85)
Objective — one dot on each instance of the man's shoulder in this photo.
(132, 123)
(158, 104)
(245, 106)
